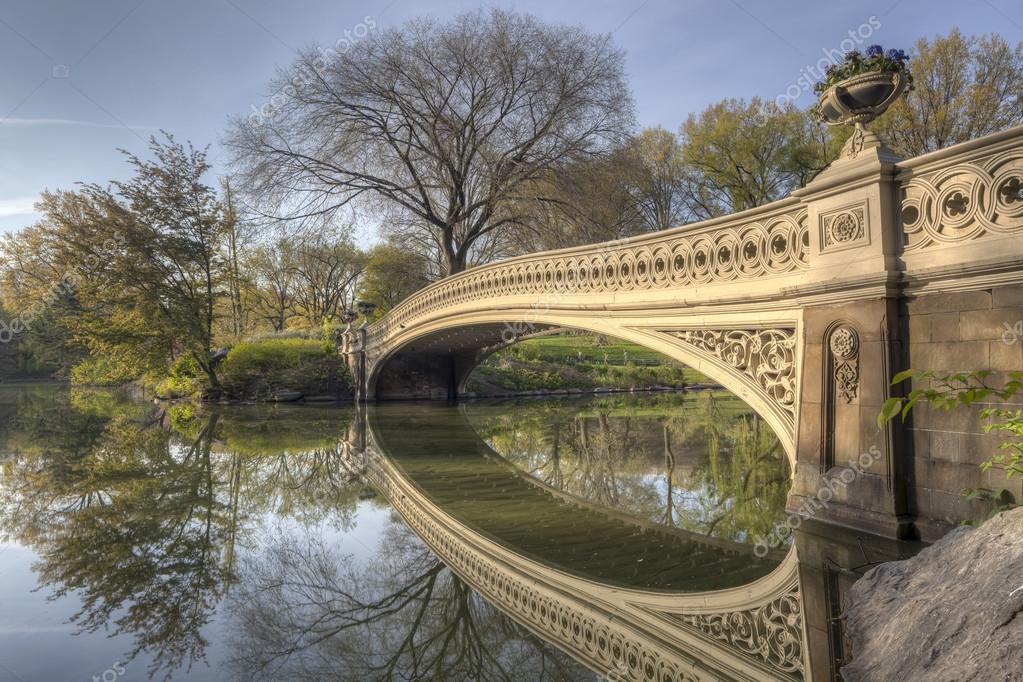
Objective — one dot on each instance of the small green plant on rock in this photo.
(950, 391)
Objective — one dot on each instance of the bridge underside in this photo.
(436, 365)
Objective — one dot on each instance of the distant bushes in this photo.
(263, 368)
(577, 362)
(260, 368)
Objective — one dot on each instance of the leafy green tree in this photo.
(745, 154)
(392, 274)
(965, 87)
(145, 260)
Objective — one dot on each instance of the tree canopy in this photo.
(965, 88)
(440, 125)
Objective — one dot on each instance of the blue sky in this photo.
(80, 79)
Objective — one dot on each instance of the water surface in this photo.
(195, 543)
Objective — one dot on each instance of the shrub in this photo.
(258, 369)
(184, 378)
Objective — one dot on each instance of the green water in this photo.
(240, 543)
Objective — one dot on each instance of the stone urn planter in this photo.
(859, 90)
(861, 98)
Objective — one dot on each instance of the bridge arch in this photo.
(641, 632)
(757, 362)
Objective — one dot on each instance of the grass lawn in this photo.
(578, 361)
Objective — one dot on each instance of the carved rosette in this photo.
(766, 357)
(843, 228)
(964, 202)
(845, 349)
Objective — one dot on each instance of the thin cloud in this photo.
(38, 122)
(18, 206)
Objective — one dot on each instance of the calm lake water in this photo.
(294, 542)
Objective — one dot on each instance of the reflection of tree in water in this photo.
(739, 490)
(303, 611)
(140, 521)
(708, 464)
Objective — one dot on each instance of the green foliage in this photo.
(875, 61)
(258, 369)
(392, 274)
(966, 87)
(963, 389)
(105, 370)
(744, 154)
(184, 378)
(578, 361)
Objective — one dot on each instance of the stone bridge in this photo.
(804, 308)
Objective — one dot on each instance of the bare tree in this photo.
(582, 202)
(440, 126)
(326, 277)
(273, 270)
(659, 190)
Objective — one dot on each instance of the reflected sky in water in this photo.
(239, 543)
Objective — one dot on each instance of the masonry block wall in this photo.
(959, 332)
(848, 471)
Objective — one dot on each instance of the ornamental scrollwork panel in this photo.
(767, 357)
(845, 348)
(771, 633)
(964, 202)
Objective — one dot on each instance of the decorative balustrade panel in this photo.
(964, 201)
(774, 243)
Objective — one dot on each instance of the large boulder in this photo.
(953, 613)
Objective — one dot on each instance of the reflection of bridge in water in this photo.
(630, 600)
